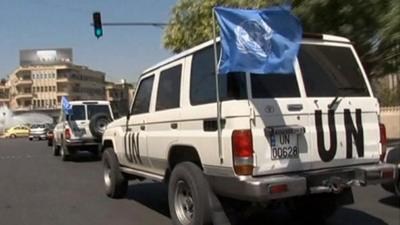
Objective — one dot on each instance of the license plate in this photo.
(284, 146)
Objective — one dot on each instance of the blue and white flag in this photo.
(258, 41)
(67, 107)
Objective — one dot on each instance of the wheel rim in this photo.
(107, 175)
(184, 206)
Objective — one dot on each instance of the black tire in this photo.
(13, 136)
(188, 196)
(98, 123)
(56, 149)
(116, 185)
(316, 208)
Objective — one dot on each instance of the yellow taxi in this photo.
(17, 131)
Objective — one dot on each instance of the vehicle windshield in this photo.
(96, 109)
(331, 71)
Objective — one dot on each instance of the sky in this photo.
(122, 52)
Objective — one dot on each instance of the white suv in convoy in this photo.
(303, 139)
(81, 131)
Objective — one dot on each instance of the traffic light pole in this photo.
(98, 25)
(135, 24)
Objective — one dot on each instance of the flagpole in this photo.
(221, 159)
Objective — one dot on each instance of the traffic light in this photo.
(98, 30)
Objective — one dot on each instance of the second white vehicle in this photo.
(83, 130)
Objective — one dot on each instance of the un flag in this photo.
(258, 41)
(67, 107)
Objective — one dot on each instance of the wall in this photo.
(390, 116)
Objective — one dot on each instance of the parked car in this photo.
(303, 139)
(17, 131)
(83, 130)
(38, 131)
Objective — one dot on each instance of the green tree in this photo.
(373, 25)
(191, 21)
(367, 23)
(389, 46)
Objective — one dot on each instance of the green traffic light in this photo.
(98, 33)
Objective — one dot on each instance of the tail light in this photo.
(242, 147)
(67, 133)
(383, 140)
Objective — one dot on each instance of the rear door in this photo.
(344, 115)
(78, 122)
(298, 125)
(280, 126)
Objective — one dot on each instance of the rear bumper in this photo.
(41, 136)
(284, 186)
(81, 142)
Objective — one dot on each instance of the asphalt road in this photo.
(37, 188)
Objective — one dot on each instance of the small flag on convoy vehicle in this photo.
(258, 41)
(67, 107)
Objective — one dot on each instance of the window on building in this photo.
(168, 95)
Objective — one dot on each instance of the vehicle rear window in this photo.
(97, 109)
(331, 71)
(274, 85)
(35, 126)
(202, 81)
(78, 112)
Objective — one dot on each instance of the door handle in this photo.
(142, 127)
(174, 125)
(295, 107)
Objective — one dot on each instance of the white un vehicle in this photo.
(83, 130)
(303, 139)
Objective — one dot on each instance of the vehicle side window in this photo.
(202, 80)
(168, 95)
(143, 96)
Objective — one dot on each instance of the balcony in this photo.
(23, 82)
(23, 95)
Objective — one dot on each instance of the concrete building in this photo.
(119, 95)
(44, 76)
(4, 93)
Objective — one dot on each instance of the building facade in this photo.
(119, 95)
(44, 76)
(4, 93)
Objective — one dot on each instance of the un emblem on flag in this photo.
(254, 37)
